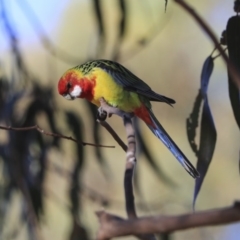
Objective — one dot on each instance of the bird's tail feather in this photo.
(160, 132)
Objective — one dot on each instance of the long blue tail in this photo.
(160, 132)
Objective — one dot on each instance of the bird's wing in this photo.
(131, 82)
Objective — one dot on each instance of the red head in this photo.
(74, 85)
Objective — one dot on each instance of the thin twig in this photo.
(113, 226)
(37, 128)
(114, 134)
(219, 54)
(232, 70)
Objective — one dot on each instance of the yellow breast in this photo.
(113, 93)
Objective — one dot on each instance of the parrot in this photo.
(120, 88)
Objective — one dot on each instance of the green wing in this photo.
(129, 81)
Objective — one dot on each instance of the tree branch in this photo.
(106, 110)
(37, 128)
(129, 170)
(114, 226)
(232, 70)
(113, 133)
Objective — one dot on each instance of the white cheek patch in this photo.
(76, 92)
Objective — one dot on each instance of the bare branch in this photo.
(129, 170)
(106, 110)
(114, 226)
(37, 128)
(114, 134)
(128, 176)
(232, 70)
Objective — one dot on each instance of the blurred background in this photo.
(58, 184)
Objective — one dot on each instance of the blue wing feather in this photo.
(161, 133)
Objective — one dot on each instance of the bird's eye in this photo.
(69, 85)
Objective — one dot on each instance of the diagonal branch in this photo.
(56, 135)
(232, 69)
(113, 133)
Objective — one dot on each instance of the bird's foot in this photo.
(106, 110)
(101, 114)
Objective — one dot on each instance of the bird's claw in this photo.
(101, 114)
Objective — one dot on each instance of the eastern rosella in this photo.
(120, 88)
